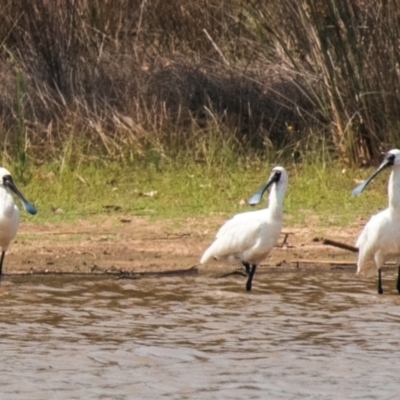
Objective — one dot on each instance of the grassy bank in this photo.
(179, 108)
(319, 193)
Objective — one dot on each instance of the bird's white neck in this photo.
(276, 200)
(394, 190)
(6, 200)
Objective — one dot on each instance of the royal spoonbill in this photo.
(251, 235)
(380, 239)
(9, 214)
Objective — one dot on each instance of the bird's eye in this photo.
(277, 176)
(391, 158)
(6, 179)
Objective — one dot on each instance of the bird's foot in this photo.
(235, 272)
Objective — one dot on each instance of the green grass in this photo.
(319, 193)
(322, 194)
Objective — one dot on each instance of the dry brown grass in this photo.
(118, 76)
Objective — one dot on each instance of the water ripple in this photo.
(322, 335)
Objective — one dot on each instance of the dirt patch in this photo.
(138, 244)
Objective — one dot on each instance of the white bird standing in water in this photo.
(250, 236)
(380, 240)
(9, 214)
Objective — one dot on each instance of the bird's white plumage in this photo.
(9, 214)
(250, 236)
(379, 241)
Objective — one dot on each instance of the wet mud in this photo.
(135, 244)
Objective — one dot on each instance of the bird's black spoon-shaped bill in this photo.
(30, 208)
(358, 189)
(257, 196)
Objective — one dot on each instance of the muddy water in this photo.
(297, 335)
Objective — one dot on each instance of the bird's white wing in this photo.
(370, 231)
(236, 235)
(242, 219)
(366, 244)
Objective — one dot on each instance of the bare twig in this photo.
(118, 273)
(235, 272)
(226, 62)
(135, 275)
(340, 245)
(284, 241)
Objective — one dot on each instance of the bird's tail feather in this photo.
(367, 270)
(206, 256)
(213, 252)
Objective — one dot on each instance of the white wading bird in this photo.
(9, 214)
(380, 239)
(250, 236)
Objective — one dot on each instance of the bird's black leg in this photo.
(247, 266)
(380, 290)
(1, 263)
(398, 280)
(250, 278)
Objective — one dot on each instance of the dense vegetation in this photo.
(105, 101)
(122, 78)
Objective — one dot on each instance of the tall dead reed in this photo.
(123, 76)
(348, 53)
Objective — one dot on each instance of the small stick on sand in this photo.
(340, 245)
(135, 275)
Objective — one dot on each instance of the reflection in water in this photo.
(323, 335)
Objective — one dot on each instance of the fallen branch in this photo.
(285, 238)
(45, 272)
(323, 262)
(118, 273)
(340, 245)
(174, 272)
(337, 264)
(235, 272)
